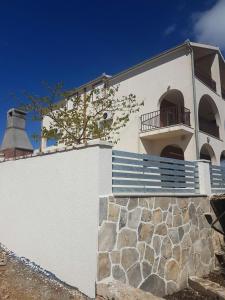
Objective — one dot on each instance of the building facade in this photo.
(183, 116)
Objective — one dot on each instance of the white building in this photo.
(184, 103)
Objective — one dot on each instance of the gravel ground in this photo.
(20, 281)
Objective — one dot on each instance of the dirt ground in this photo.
(187, 294)
(18, 281)
(217, 277)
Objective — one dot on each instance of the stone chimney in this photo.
(16, 142)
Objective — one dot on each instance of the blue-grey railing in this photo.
(217, 175)
(142, 173)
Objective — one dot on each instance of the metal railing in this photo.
(164, 117)
(217, 176)
(135, 173)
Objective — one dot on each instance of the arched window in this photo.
(207, 153)
(173, 151)
(172, 110)
(208, 116)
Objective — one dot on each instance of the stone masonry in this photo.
(154, 243)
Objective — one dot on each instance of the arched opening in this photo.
(173, 151)
(207, 153)
(208, 116)
(172, 110)
(222, 159)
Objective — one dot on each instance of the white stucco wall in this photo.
(149, 85)
(49, 211)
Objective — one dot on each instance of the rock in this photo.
(157, 216)
(155, 285)
(115, 257)
(123, 218)
(134, 275)
(186, 241)
(141, 249)
(166, 250)
(177, 253)
(173, 234)
(146, 269)
(145, 232)
(149, 255)
(155, 265)
(112, 199)
(134, 218)
(119, 291)
(172, 270)
(151, 202)
(181, 232)
(177, 220)
(143, 202)
(107, 236)
(104, 266)
(122, 201)
(162, 202)
(146, 215)
(133, 203)
(161, 267)
(183, 203)
(157, 244)
(118, 274)
(113, 213)
(169, 219)
(194, 234)
(103, 209)
(171, 288)
(185, 214)
(127, 238)
(161, 229)
(193, 214)
(129, 257)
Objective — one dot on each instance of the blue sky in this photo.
(76, 41)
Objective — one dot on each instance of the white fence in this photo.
(141, 173)
(217, 175)
(49, 211)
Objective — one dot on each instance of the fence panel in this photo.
(142, 173)
(217, 175)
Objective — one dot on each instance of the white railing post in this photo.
(204, 177)
(105, 169)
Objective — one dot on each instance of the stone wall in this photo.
(154, 243)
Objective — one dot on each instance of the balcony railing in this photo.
(165, 117)
(209, 128)
(206, 79)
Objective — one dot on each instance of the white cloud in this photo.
(169, 30)
(209, 26)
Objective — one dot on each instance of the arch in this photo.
(172, 110)
(208, 116)
(222, 159)
(207, 153)
(173, 151)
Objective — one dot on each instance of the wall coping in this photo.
(159, 195)
(94, 143)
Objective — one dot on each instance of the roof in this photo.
(187, 44)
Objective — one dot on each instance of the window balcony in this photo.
(168, 122)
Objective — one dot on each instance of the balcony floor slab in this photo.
(167, 132)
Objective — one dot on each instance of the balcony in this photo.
(164, 123)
